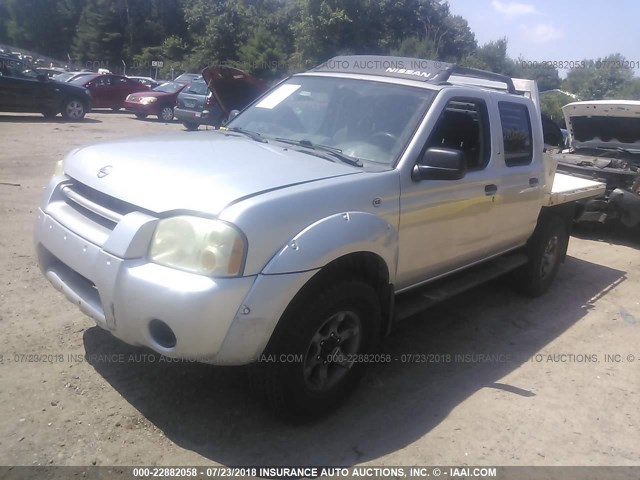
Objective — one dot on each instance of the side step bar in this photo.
(421, 298)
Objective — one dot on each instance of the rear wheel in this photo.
(545, 249)
(190, 126)
(73, 109)
(166, 114)
(141, 116)
(312, 362)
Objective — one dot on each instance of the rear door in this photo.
(121, 87)
(102, 91)
(520, 157)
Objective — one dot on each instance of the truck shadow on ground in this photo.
(205, 409)
(611, 232)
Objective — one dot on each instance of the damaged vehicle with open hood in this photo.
(211, 99)
(605, 146)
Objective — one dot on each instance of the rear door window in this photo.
(516, 133)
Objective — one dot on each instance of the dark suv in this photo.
(24, 89)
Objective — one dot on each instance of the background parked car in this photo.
(24, 89)
(148, 81)
(210, 101)
(108, 90)
(158, 101)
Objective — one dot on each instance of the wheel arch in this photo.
(365, 266)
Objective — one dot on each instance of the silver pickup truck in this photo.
(343, 199)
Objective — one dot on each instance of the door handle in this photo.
(490, 189)
(533, 182)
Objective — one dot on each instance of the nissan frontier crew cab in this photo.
(343, 199)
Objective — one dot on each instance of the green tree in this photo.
(630, 91)
(416, 47)
(599, 79)
(551, 103)
(44, 26)
(492, 56)
(545, 75)
(264, 55)
(99, 39)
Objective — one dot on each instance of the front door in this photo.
(447, 224)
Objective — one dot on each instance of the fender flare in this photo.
(334, 237)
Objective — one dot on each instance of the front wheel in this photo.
(546, 250)
(190, 126)
(73, 109)
(166, 114)
(319, 349)
(141, 116)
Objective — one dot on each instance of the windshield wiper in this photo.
(252, 135)
(333, 151)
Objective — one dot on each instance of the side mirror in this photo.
(440, 164)
(233, 114)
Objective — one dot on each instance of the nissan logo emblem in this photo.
(104, 171)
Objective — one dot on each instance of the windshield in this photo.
(169, 87)
(363, 119)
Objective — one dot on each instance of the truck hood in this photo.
(604, 123)
(199, 171)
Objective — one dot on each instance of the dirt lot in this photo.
(525, 382)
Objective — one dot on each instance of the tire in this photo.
(141, 116)
(166, 114)
(546, 250)
(190, 126)
(73, 109)
(338, 320)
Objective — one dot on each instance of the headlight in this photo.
(148, 100)
(59, 170)
(198, 245)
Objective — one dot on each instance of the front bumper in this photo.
(139, 108)
(219, 321)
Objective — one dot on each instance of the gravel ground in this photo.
(499, 380)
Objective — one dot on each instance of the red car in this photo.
(108, 90)
(157, 101)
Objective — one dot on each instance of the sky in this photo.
(560, 30)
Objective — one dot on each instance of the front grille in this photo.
(93, 203)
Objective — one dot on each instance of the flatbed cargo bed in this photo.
(567, 188)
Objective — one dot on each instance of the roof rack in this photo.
(431, 71)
